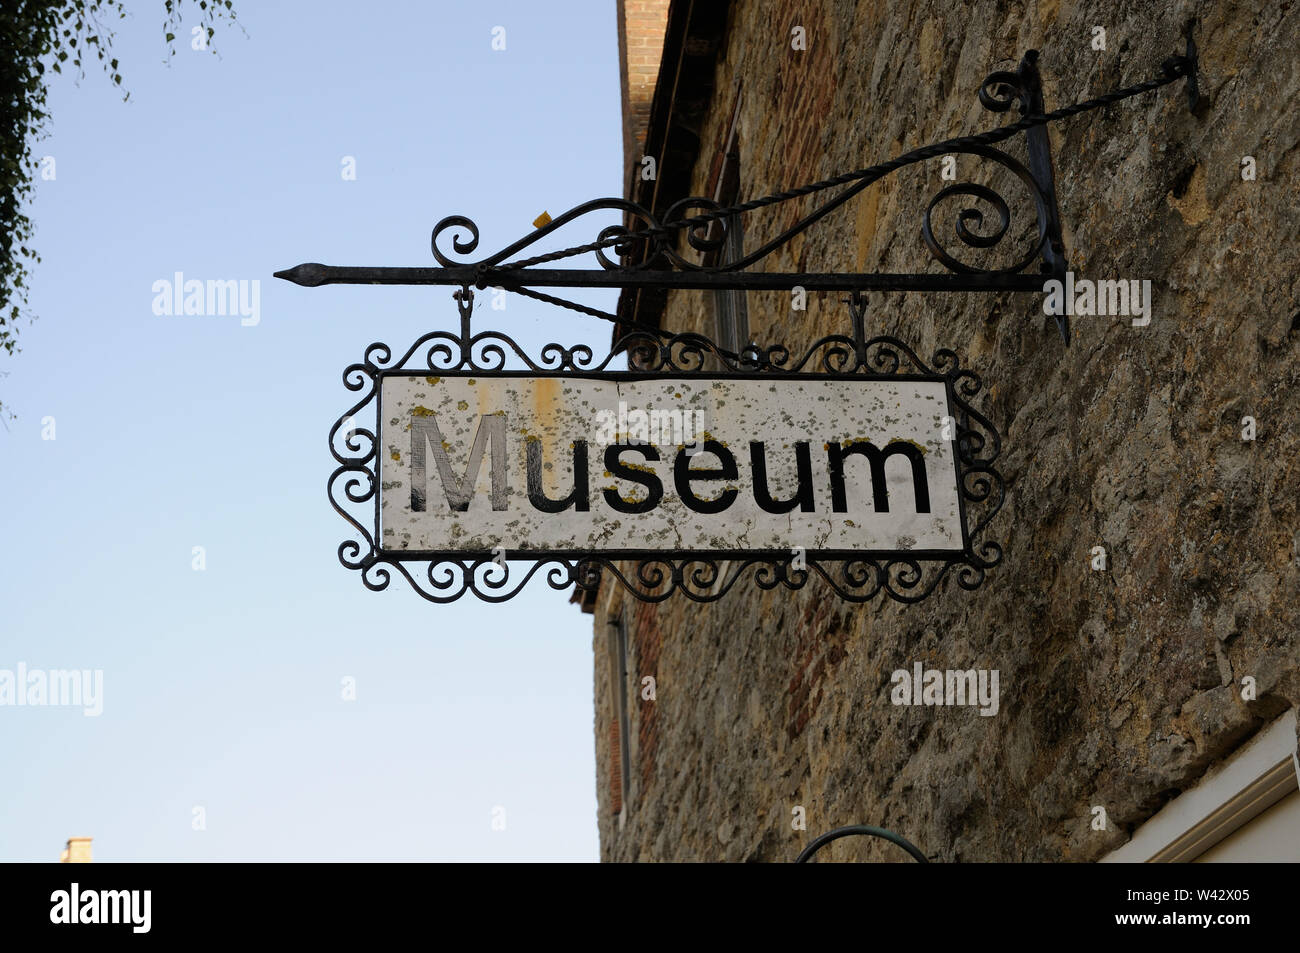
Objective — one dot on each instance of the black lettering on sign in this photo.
(684, 475)
(763, 496)
(837, 454)
(425, 435)
(579, 498)
(641, 475)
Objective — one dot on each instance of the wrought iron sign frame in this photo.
(701, 575)
(648, 257)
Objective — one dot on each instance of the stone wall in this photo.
(1118, 688)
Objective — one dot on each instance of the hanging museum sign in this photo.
(857, 464)
(710, 464)
(673, 465)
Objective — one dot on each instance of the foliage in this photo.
(39, 37)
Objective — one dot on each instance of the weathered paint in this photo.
(458, 478)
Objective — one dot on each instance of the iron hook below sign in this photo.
(861, 829)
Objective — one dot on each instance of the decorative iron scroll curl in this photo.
(972, 216)
(707, 577)
(655, 246)
(646, 241)
(642, 241)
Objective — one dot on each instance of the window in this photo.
(620, 727)
(730, 315)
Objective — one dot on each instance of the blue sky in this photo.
(222, 687)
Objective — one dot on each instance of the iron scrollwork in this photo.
(646, 242)
(647, 252)
(701, 577)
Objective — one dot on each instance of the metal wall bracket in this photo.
(648, 245)
(649, 255)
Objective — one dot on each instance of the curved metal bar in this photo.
(974, 216)
(866, 829)
(998, 93)
(1002, 90)
(697, 227)
(602, 204)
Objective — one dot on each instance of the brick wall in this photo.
(641, 25)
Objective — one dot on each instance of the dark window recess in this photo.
(730, 315)
(620, 727)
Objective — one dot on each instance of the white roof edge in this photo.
(1220, 784)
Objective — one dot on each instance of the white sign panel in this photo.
(537, 464)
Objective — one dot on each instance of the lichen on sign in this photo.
(596, 464)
